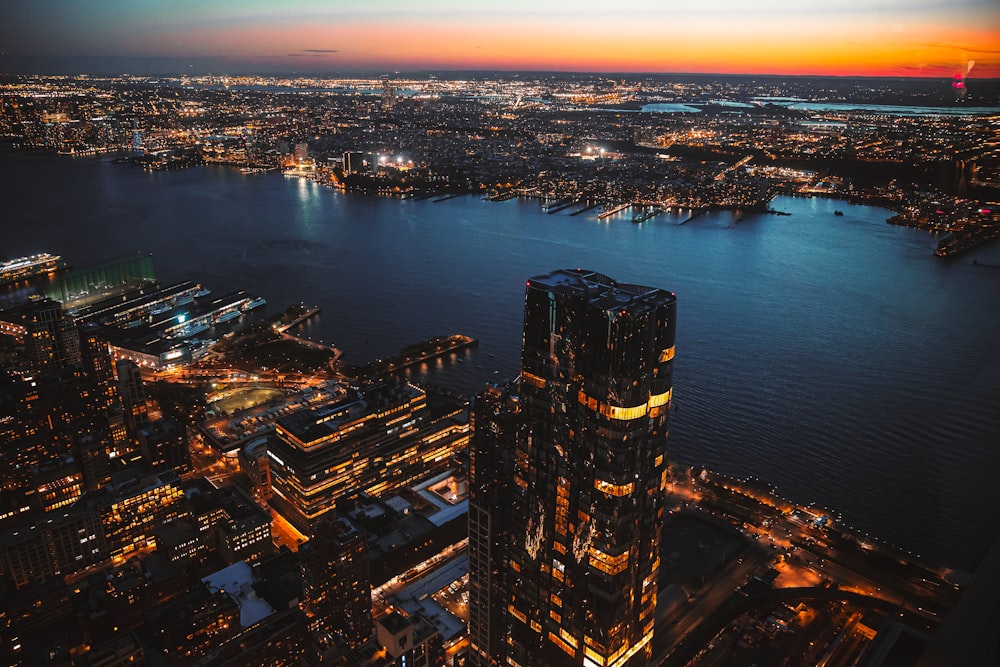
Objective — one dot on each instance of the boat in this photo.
(254, 303)
(23, 268)
(191, 330)
(202, 292)
(227, 316)
(159, 310)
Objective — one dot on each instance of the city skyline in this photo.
(779, 37)
(194, 471)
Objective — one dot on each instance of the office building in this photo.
(496, 425)
(336, 590)
(55, 545)
(51, 338)
(380, 438)
(163, 445)
(573, 541)
(354, 162)
(133, 396)
(131, 513)
(409, 641)
(229, 521)
(244, 533)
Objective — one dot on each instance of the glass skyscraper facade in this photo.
(569, 473)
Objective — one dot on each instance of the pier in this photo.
(643, 216)
(447, 197)
(588, 206)
(282, 328)
(558, 204)
(421, 352)
(502, 196)
(611, 211)
(968, 238)
(562, 207)
(694, 214)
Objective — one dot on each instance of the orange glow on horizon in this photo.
(912, 49)
(861, 37)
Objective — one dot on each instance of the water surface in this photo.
(832, 356)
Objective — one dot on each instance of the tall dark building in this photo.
(575, 453)
(163, 444)
(497, 425)
(52, 339)
(336, 590)
(95, 354)
(133, 396)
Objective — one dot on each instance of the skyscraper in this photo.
(336, 589)
(497, 425)
(51, 338)
(574, 455)
(133, 396)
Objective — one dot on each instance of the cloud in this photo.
(321, 50)
(959, 47)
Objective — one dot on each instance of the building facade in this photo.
(380, 438)
(496, 427)
(574, 550)
(336, 590)
(131, 513)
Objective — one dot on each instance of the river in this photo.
(831, 356)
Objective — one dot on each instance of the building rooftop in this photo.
(236, 581)
(447, 508)
(416, 598)
(600, 290)
(394, 622)
(316, 423)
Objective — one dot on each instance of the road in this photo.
(709, 599)
(804, 551)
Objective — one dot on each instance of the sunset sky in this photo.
(842, 37)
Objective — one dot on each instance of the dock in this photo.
(417, 354)
(646, 215)
(562, 207)
(447, 197)
(611, 211)
(588, 206)
(282, 328)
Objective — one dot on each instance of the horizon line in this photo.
(364, 73)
